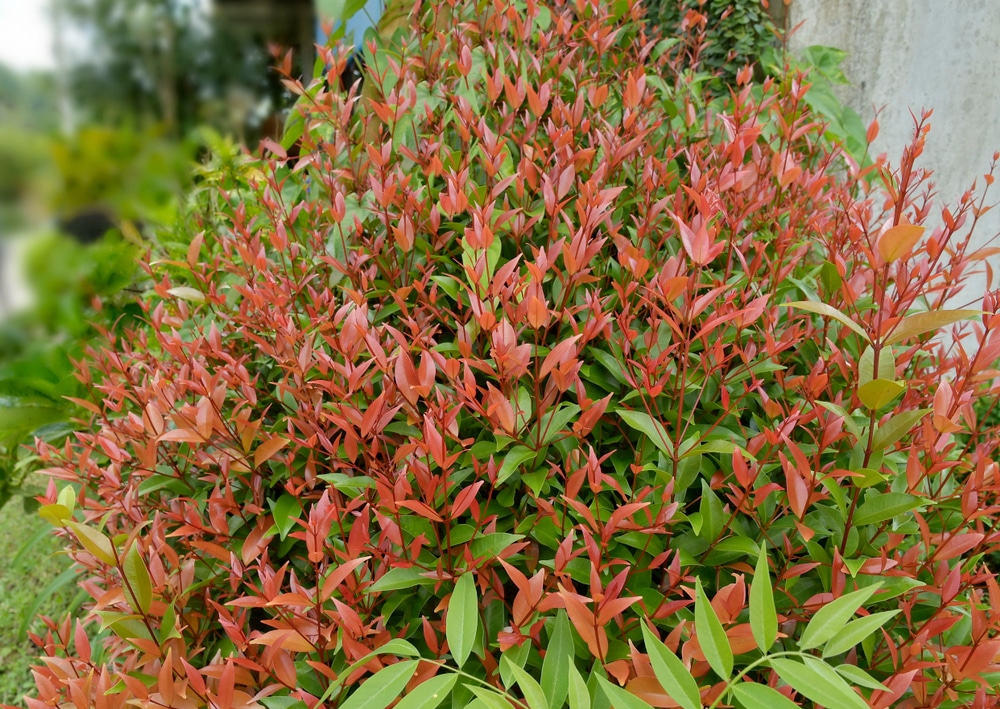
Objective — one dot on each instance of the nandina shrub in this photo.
(532, 380)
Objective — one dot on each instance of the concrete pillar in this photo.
(905, 55)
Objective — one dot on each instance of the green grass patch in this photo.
(28, 578)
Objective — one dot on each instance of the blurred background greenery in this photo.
(98, 157)
(104, 116)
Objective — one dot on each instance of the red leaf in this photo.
(897, 241)
(957, 545)
(421, 509)
(610, 608)
(967, 662)
(796, 487)
(284, 669)
(284, 638)
(227, 684)
(464, 499)
(561, 353)
(88, 405)
(255, 542)
(583, 620)
(182, 435)
(266, 450)
(194, 677)
(338, 575)
(651, 692)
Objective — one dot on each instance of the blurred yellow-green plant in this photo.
(126, 181)
(135, 173)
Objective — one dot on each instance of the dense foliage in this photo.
(724, 34)
(539, 379)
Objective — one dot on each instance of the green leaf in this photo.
(866, 365)
(490, 545)
(93, 541)
(879, 392)
(139, 589)
(823, 687)
(856, 631)
(897, 427)
(880, 507)
(28, 417)
(919, 323)
(463, 618)
(168, 625)
(382, 688)
(449, 285)
(654, 431)
(67, 498)
(763, 616)
(127, 627)
(279, 702)
(515, 457)
(352, 485)
(400, 578)
(557, 661)
(760, 696)
(869, 477)
(554, 423)
(831, 618)
(158, 482)
(55, 514)
(579, 695)
(828, 311)
(620, 698)
(430, 693)
(889, 586)
(284, 510)
(671, 673)
(530, 688)
(611, 364)
(711, 635)
(717, 445)
(858, 676)
(490, 698)
(712, 514)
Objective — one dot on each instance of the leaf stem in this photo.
(729, 686)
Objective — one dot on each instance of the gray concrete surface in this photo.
(908, 55)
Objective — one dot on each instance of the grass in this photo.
(26, 579)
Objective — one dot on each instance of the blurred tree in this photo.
(170, 62)
(27, 100)
(27, 110)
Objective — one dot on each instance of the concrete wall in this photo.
(908, 55)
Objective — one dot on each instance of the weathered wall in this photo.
(907, 55)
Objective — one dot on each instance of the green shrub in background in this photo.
(725, 35)
(822, 67)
